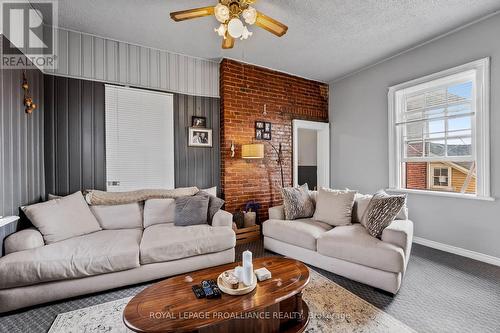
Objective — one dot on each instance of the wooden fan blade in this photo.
(271, 25)
(192, 13)
(228, 43)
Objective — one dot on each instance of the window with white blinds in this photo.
(139, 139)
(441, 122)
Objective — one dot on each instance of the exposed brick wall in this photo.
(244, 91)
(416, 175)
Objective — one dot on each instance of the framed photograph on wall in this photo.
(200, 122)
(200, 137)
(263, 130)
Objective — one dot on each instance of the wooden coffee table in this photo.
(275, 305)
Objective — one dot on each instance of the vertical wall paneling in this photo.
(95, 58)
(196, 166)
(21, 149)
(74, 135)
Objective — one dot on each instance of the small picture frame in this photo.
(198, 122)
(200, 137)
(263, 130)
(258, 134)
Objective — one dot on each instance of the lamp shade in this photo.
(252, 151)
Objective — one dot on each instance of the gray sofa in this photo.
(151, 248)
(348, 250)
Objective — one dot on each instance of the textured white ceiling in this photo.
(326, 38)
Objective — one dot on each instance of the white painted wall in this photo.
(359, 141)
(308, 146)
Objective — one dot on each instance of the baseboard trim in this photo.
(458, 250)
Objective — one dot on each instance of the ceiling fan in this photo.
(228, 13)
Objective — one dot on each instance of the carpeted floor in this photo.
(442, 292)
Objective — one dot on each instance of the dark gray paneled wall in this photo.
(196, 166)
(74, 135)
(21, 142)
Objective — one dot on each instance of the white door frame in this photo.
(323, 150)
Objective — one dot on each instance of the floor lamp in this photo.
(256, 151)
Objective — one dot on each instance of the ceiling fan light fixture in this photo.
(221, 30)
(250, 15)
(235, 28)
(221, 13)
(246, 33)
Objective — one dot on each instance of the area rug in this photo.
(332, 309)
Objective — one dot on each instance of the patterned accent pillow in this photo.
(297, 202)
(381, 211)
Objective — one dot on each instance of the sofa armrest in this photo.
(26, 239)
(399, 233)
(277, 213)
(222, 219)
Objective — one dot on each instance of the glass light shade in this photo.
(252, 151)
(235, 28)
(221, 13)
(249, 15)
(246, 33)
(221, 30)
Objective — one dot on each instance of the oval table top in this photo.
(171, 306)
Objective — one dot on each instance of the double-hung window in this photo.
(439, 132)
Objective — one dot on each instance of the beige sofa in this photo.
(150, 248)
(344, 250)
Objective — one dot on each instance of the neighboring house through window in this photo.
(439, 132)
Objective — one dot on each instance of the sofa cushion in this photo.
(166, 242)
(62, 218)
(127, 216)
(157, 211)
(303, 232)
(97, 253)
(353, 243)
(334, 206)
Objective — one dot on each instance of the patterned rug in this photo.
(332, 309)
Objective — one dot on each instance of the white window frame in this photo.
(479, 71)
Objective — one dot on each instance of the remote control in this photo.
(207, 288)
(215, 289)
(198, 291)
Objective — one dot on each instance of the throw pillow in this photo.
(334, 207)
(63, 218)
(191, 210)
(297, 202)
(214, 204)
(211, 190)
(361, 203)
(381, 212)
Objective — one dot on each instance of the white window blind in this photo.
(139, 139)
(437, 123)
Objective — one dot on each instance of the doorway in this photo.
(311, 153)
